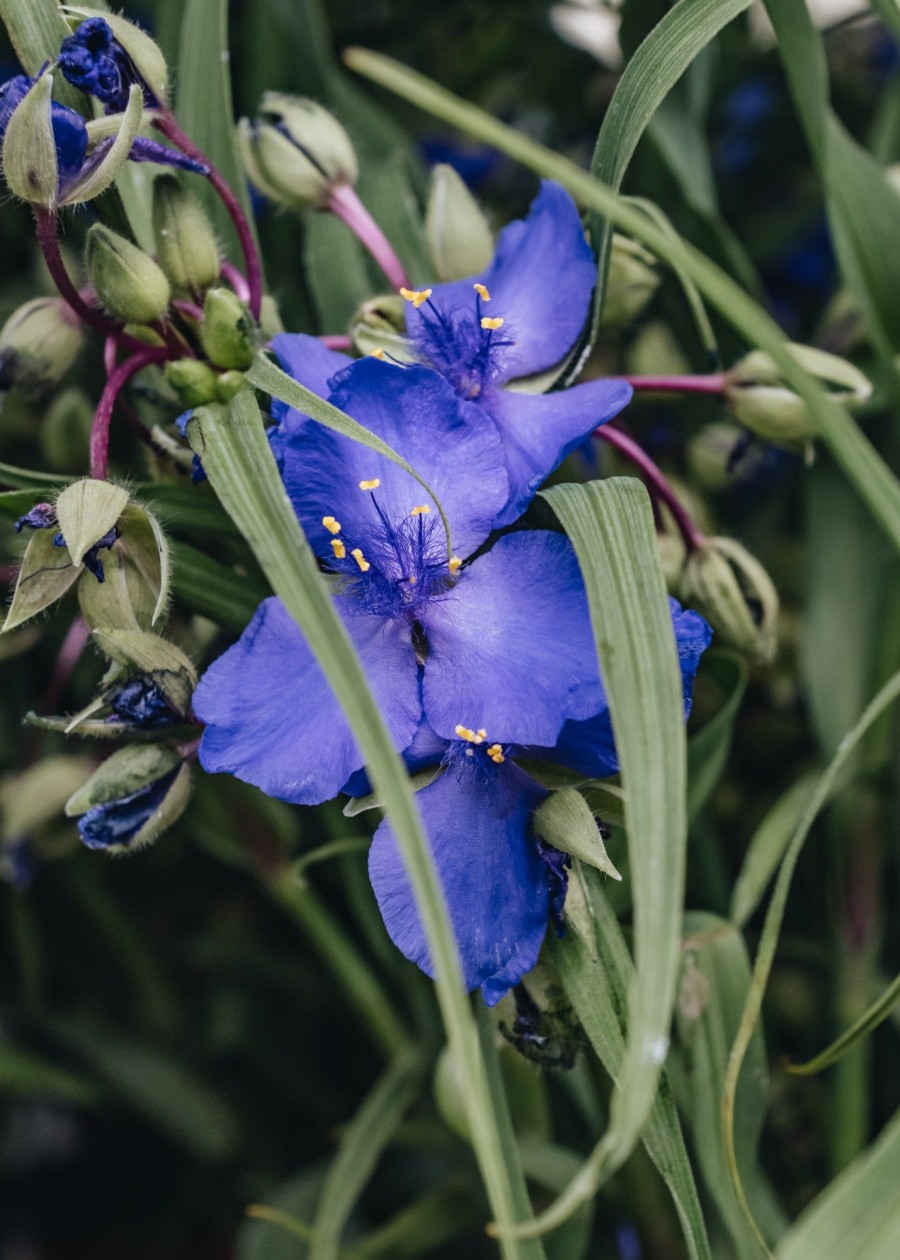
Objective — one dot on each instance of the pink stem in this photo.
(714, 383)
(8, 574)
(694, 538)
(168, 125)
(46, 223)
(73, 645)
(99, 446)
(336, 341)
(110, 353)
(190, 309)
(236, 280)
(346, 206)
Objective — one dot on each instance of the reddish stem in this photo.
(336, 341)
(346, 206)
(694, 538)
(236, 279)
(713, 383)
(46, 223)
(168, 124)
(99, 446)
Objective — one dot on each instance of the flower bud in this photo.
(459, 238)
(185, 242)
(38, 344)
(632, 281)
(228, 333)
(127, 281)
(734, 591)
(131, 798)
(106, 54)
(297, 152)
(192, 380)
(760, 400)
(380, 325)
(31, 161)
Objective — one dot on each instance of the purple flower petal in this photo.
(539, 430)
(510, 646)
(271, 718)
(310, 364)
(493, 879)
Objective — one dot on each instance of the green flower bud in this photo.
(228, 384)
(760, 400)
(193, 381)
(228, 333)
(380, 325)
(632, 281)
(127, 281)
(38, 344)
(185, 241)
(459, 239)
(296, 153)
(131, 798)
(736, 594)
(671, 551)
(708, 453)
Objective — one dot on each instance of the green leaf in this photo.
(336, 271)
(239, 463)
(874, 1015)
(148, 547)
(46, 574)
(768, 844)
(566, 821)
(362, 1144)
(26, 1074)
(861, 464)
(26, 479)
(593, 962)
(708, 748)
(202, 585)
(858, 1214)
(610, 525)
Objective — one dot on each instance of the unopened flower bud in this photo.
(633, 279)
(185, 241)
(228, 384)
(459, 238)
(760, 400)
(106, 54)
(131, 286)
(193, 381)
(228, 333)
(297, 152)
(734, 591)
(380, 326)
(38, 344)
(131, 798)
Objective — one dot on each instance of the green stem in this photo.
(863, 466)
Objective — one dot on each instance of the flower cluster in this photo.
(478, 657)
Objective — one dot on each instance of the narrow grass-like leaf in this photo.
(596, 970)
(768, 844)
(876, 1014)
(428, 1223)
(769, 939)
(611, 527)
(202, 585)
(362, 1144)
(25, 1074)
(26, 479)
(708, 747)
(862, 465)
(238, 460)
(267, 376)
(336, 272)
(858, 1215)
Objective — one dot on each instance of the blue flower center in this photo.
(463, 343)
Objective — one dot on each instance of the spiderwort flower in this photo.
(106, 62)
(504, 643)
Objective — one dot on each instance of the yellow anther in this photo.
(377, 354)
(416, 296)
(360, 559)
(491, 324)
(495, 752)
(482, 291)
(338, 548)
(454, 564)
(420, 511)
(483, 733)
(463, 732)
(373, 484)
(333, 526)
(412, 580)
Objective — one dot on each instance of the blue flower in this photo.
(142, 703)
(93, 61)
(522, 316)
(116, 824)
(499, 880)
(503, 643)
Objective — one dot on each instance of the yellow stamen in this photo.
(373, 484)
(333, 526)
(482, 291)
(495, 752)
(416, 296)
(338, 548)
(491, 324)
(412, 581)
(463, 732)
(420, 511)
(454, 564)
(360, 559)
(377, 354)
(482, 732)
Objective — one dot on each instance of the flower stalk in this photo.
(345, 205)
(709, 383)
(99, 443)
(694, 538)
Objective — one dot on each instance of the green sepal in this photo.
(185, 241)
(360, 804)
(565, 820)
(122, 774)
(228, 333)
(193, 381)
(86, 511)
(460, 241)
(737, 595)
(46, 574)
(29, 148)
(108, 170)
(146, 543)
(149, 654)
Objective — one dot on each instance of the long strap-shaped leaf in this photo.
(648, 78)
(874, 1015)
(774, 915)
(596, 969)
(860, 462)
(239, 463)
(610, 524)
